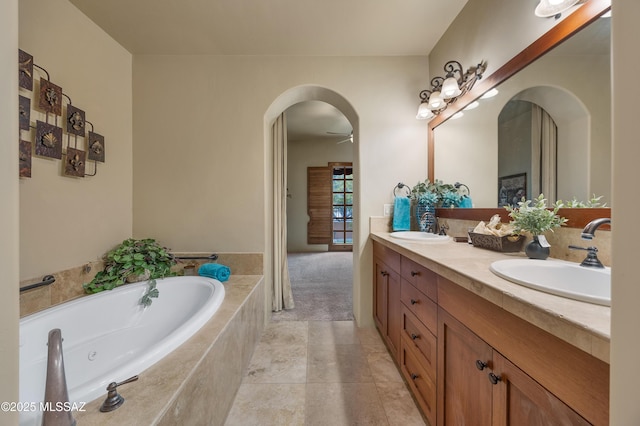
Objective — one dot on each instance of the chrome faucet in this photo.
(589, 231)
(55, 391)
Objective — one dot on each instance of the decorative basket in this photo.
(506, 244)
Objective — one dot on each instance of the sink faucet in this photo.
(588, 233)
(56, 385)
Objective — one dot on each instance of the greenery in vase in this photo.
(428, 192)
(534, 216)
(593, 203)
(132, 258)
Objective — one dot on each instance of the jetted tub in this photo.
(110, 337)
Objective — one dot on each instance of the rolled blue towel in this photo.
(402, 214)
(215, 271)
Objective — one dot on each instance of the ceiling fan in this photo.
(348, 137)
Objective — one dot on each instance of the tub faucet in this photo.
(589, 231)
(55, 391)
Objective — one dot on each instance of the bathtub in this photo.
(110, 337)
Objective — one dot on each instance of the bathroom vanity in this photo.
(477, 349)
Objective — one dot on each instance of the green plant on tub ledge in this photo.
(132, 261)
(535, 218)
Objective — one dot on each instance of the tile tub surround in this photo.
(68, 284)
(196, 383)
(584, 325)
(322, 373)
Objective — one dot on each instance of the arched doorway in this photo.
(273, 229)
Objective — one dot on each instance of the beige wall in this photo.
(199, 156)
(625, 315)
(66, 222)
(9, 268)
(300, 155)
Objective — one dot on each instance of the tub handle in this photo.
(114, 399)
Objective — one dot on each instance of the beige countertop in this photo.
(584, 325)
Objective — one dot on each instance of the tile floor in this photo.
(322, 373)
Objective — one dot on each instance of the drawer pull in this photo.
(414, 376)
(384, 273)
(414, 301)
(414, 336)
(480, 365)
(414, 273)
(494, 379)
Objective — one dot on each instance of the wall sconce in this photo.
(446, 90)
(547, 8)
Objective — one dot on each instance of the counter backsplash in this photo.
(560, 239)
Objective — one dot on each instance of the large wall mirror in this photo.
(547, 130)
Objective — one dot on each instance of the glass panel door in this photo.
(342, 203)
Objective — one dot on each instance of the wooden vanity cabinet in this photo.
(386, 295)
(468, 361)
(528, 376)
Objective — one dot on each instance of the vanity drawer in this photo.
(387, 256)
(420, 305)
(423, 341)
(422, 385)
(422, 278)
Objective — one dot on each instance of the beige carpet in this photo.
(322, 285)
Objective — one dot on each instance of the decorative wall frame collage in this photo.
(74, 144)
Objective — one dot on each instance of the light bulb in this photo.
(424, 112)
(450, 88)
(436, 101)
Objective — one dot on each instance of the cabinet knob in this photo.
(414, 376)
(414, 336)
(414, 301)
(494, 379)
(480, 365)
(414, 273)
(384, 273)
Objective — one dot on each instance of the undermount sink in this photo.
(426, 237)
(558, 277)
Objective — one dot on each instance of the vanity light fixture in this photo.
(548, 8)
(446, 90)
(472, 105)
(490, 94)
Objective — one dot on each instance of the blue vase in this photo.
(426, 217)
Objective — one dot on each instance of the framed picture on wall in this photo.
(512, 189)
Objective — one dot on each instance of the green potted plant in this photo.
(535, 218)
(130, 261)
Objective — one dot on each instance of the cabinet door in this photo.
(394, 313)
(464, 361)
(380, 295)
(520, 400)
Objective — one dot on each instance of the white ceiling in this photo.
(278, 27)
(274, 27)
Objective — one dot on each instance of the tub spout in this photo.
(55, 393)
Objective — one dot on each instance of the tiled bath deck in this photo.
(322, 373)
